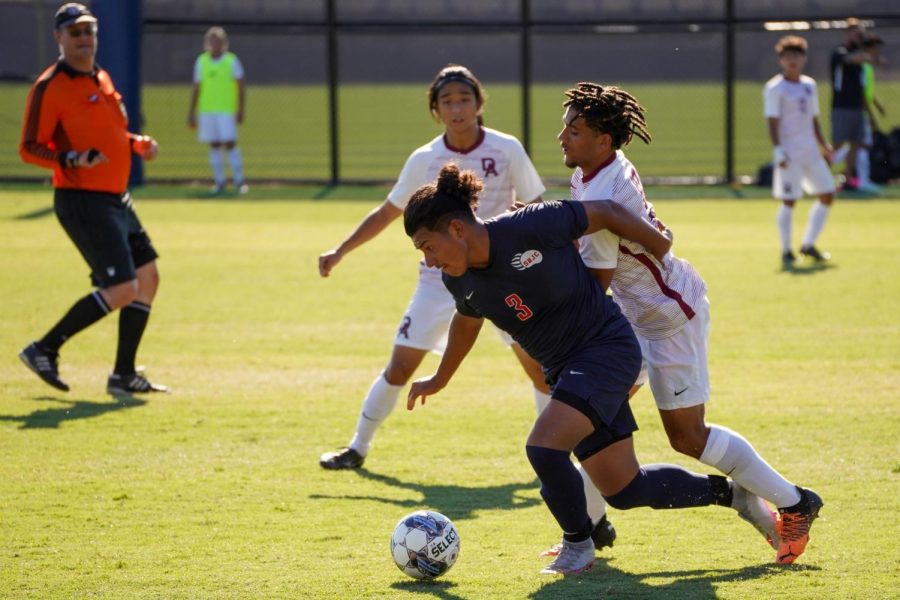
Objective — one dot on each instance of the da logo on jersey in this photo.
(526, 259)
(489, 166)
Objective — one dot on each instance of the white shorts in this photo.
(677, 366)
(216, 127)
(806, 172)
(426, 322)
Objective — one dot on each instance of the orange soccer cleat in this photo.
(795, 523)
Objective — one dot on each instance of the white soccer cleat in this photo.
(755, 511)
(573, 558)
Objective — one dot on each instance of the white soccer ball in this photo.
(425, 544)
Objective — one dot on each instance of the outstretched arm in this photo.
(373, 224)
(463, 333)
(606, 214)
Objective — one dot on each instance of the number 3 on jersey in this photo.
(522, 312)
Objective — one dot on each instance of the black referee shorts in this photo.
(107, 232)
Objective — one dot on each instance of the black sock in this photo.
(665, 486)
(132, 322)
(82, 315)
(562, 490)
(722, 490)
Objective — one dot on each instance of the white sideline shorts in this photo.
(806, 172)
(426, 322)
(677, 366)
(216, 127)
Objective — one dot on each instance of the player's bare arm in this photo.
(373, 224)
(242, 97)
(781, 158)
(606, 214)
(463, 333)
(820, 138)
(192, 108)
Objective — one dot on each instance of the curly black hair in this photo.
(611, 110)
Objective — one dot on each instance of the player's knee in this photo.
(398, 373)
(121, 294)
(150, 282)
(632, 495)
(690, 441)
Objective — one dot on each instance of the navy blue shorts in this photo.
(107, 232)
(595, 381)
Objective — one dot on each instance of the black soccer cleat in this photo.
(133, 383)
(603, 534)
(814, 253)
(344, 458)
(44, 364)
(787, 260)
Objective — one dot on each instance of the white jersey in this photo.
(657, 302)
(498, 159)
(794, 104)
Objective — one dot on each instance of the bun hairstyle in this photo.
(453, 195)
(455, 73)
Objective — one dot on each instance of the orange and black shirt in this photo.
(71, 110)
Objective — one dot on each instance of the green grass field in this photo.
(286, 132)
(214, 491)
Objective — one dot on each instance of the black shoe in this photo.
(603, 534)
(813, 253)
(133, 383)
(787, 260)
(345, 458)
(45, 364)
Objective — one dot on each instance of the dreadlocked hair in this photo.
(611, 110)
(453, 195)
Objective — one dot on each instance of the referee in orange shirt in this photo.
(76, 124)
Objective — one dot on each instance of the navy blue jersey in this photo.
(536, 287)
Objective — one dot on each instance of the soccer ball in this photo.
(425, 544)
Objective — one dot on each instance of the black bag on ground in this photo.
(881, 168)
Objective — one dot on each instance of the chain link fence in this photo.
(336, 88)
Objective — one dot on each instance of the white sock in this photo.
(237, 165)
(596, 505)
(862, 168)
(541, 400)
(784, 220)
(730, 453)
(218, 166)
(818, 214)
(379, 402)
(840, 154)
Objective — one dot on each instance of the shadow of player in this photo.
(51, 418)
(459, 501)
(606, 581)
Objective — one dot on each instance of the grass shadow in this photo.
(456, 500)
(807, 269)
(606, 581)
(52, 418)
(438, 589)
(35, 214)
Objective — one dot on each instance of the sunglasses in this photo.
(77, 32)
